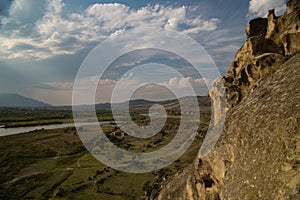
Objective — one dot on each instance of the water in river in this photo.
(13, 131)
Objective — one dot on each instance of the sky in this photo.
(44, 43)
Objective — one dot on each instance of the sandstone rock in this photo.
(292, 43)
(292, 5)
(257, 27)
(246, 70)
(281, 28)
(218, 95)
(258, 154)
(270, 42)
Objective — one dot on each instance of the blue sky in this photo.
(43, 43)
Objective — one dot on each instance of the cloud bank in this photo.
(43, 29)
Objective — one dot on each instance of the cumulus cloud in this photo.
(181, 84)
(49, 31)
(259, 8)
(202, 25)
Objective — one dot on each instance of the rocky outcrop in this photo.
(270, 42)
(257, 27)
(292, 5)
(258, 153)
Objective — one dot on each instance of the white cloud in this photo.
(259, 8)
(181, 84)
(48, 31)
(21, 13)
(201, 25)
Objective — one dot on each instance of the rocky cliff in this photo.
(270, 42)
(258, 153)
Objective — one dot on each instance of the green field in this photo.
(20, 117)
(53, 164)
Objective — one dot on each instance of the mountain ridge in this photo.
(17, 100)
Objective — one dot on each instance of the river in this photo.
(18, 130)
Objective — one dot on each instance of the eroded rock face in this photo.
(258, 154)
(270, 42)
(292, 5)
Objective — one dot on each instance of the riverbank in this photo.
(32, 123)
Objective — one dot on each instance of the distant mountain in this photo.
(142, 105)
(16, 100)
